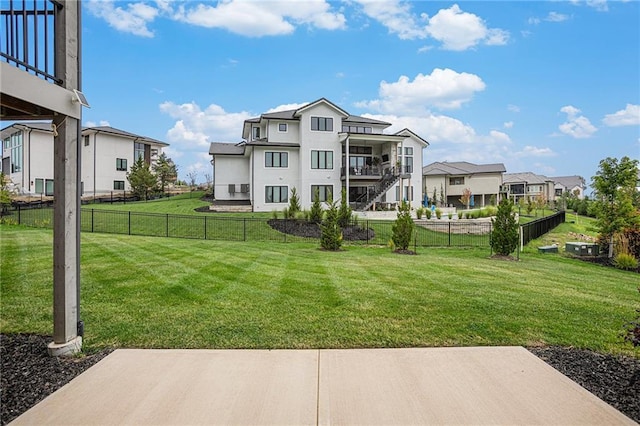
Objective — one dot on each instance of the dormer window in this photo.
(256, 132)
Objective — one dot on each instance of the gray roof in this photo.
(364, 120)
(525, 177)
(36, 125)
(114, 131)
(569, 181)
(221, 148)
(461, 168)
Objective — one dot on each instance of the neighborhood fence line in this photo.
(429, 233)
(539, 227)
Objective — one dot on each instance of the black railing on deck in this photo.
(27, 36)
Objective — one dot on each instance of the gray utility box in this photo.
(582, 249)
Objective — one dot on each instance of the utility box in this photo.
(582, 249)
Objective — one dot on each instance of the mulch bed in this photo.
(306, 229)
(29, 374)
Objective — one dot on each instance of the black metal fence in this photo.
(429, 233)
(539, 227)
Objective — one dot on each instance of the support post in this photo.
(67, 327)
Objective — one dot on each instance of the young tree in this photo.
(442, 198)
(345, 212)
(402, 229)
(316, 208)
(617, 200)
(331, 234)
(141, 179)
(165, 170)
(466, 197)
(192, 177)
(504, 236)
(294, 202)
(434, 199)
(5, 194)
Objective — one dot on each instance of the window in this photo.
(325, 192)
(456, 181)
(357, 129)
(276, 194)
(39, 186)
(322, 124)
(48, 187)
(121, 164)
(407, 193)
(282, 127)
(385, 158)
(408, 150)
(276, 159)
(138, 151)
(354, 149)
(14, 142)
(322, 159)
(86, 140)
(256, 132)
(118, 184)
(408, 164)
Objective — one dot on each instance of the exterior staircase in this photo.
(372, 196)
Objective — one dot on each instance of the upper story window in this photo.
(282, 127)
(456, 181)
(255, 131)
(357, 129)
(121, 164)
(86, 140)
(322, 159)
(322, 124)
(138, 151)
(276, 159)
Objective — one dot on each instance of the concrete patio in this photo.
(479, 385)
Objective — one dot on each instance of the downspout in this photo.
(346, 168)
(29, 175)
(95, 153)
(253, 174)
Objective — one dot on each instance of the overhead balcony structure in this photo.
(33, 83)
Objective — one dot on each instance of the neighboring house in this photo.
(452, 178)
(575, 185)
(318, 147)
(107, 156)
(528, 186)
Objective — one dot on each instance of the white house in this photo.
(318, 147)
(107, 155)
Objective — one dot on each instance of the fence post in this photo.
(244, 229)
(19, 216)
(205, 226)
(285, 229)
(129, 223)
(167, 225)
(449, 233)
(92, 210)
(367, 231)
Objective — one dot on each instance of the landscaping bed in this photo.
(306, 229)
(29, 374)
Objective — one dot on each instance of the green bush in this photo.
(625, 261)
(419, 212)
(294, 202)
(331, 234)
(438, 213)
(274, 214)
(633, 332)
(402, 229)
(450, 215)
(315, 215)
(345, 212)
(504, 236)
(427, 213)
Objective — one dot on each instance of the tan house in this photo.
(531, 186)
(449, 180)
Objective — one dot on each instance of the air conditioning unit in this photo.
(244, 188)
(232, 188)
(582, 249)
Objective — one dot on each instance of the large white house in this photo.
(107, 155)
(318, 147)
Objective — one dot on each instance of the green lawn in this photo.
(175, 293)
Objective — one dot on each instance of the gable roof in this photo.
(461, 168)
(118, 132)
(569, 181)
(411, 133)
(44, 126)
(525, 177)
(321, 101)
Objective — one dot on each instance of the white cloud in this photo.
(459, 30)
(258, 19)
(533, 151)
(450, 139)
(599, 5)
(533, 21)
(577, 126)
(196, 128)
(556, 17)
(513, 108)
(508, 124)
(630, 116)
(132, 18)
(104, 123)
(443, 88)
(455, 29)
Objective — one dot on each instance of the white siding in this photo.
(274, 176)
(231, 170)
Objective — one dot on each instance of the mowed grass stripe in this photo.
(174, 293)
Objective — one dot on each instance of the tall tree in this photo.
(403, 227)
(616, 199)
(141, 179)
(165, 170)
(504, 236)
(345, 212)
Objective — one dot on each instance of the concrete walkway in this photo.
(487, 385)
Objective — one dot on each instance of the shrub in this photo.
(274, 214)
(402, 229)
(287, 214)
(419, 212)
(504, 236)
(345, 212)
(633, 332)
(315, 215)
(331, 234)
(427, 213)
(450, 215)
(625, 261)
(438, 213)
(294, 202)
(492, 200)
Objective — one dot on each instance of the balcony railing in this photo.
(27, 40)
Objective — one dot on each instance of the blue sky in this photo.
(548, 87)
